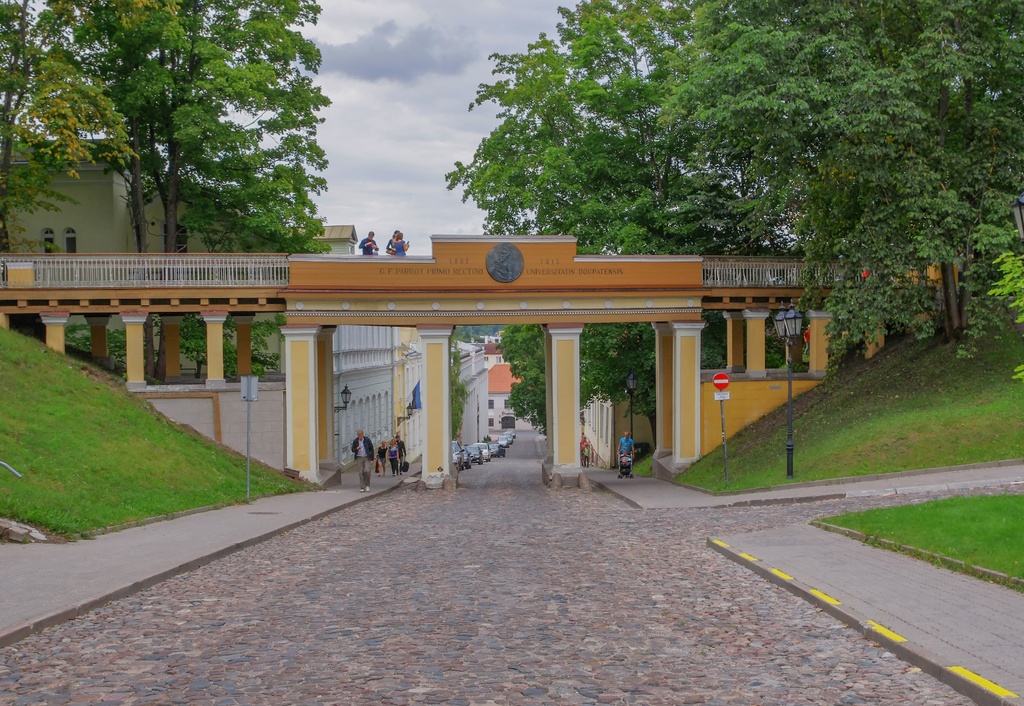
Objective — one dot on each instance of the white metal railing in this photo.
(78, 271)
(765, 273)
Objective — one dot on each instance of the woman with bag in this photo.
(382, 457)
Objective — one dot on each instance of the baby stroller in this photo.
(625, 466)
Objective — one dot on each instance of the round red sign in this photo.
(720, 381)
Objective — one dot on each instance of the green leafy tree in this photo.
(220, 105)
(193, 344)
(890, 130)
(50, 108)
(523, 350)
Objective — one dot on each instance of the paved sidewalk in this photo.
(964, 631)
(45, 584)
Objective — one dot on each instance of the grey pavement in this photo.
(935, 618)
(45, 584)
(948, 620)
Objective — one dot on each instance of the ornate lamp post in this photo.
(630, 389)
(788, 327)
(1018, 214)
(346, 397)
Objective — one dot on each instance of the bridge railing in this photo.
(765, 273)
(82, 271)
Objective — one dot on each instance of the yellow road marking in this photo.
(825, 597)
(983, 682)
(719, 543)
(748, 557)
(886, 631)
(782, 574)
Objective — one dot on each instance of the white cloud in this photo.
(401, 76)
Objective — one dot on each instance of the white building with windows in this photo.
(473, 373)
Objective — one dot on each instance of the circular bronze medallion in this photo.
(504, 262)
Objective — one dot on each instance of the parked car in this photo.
(460, 458)
(474, 454)
(496, 449)
(485, 450)
(505, 441)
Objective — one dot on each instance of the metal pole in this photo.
(631, 417)
(789, 427)
(725, 448)
(248, 417)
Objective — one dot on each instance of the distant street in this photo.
(504, 592)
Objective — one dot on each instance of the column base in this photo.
(758, 374)
(435, 481)
(216, 384)
(136, 386)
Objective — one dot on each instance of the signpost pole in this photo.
(725, 448)
(250, 391)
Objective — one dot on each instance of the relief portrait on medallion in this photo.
(504, 262)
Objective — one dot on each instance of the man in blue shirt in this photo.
(368, 246)
(626, 445)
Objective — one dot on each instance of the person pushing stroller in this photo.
(626, 456)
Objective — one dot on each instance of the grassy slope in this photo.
(915, 405)
(94, 455)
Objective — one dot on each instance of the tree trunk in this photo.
(951, 302)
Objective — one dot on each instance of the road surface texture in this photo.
(503, 592)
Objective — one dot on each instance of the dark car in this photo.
(496, 449)
(504, 441)
(473, 454)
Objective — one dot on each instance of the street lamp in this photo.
(1018, 213)
(788, 327)
(630, 389)
(346, 397)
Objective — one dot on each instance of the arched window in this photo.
(70, 240)
(48, 241)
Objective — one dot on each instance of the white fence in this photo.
(765, 273)
(62, 271)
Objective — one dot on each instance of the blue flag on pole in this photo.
(416, 397)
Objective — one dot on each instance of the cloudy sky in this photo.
(401, 75)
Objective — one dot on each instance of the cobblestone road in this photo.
(503, 592)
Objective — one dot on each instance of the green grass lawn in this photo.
(916, 405)
(980, 531)
(93, 455)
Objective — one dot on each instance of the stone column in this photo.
(563, 423)
(55, 322)
(98, 339)
(135, 350)
(5, 321)
(549, 459)
(171, 331)
(664, 387)
(734, 348)
(818, 320)
(243, 342)
(874, 345)
(215, 347)
(324, 392)
(435, 397)
(686, 391)
(755, 319)
(300, 370)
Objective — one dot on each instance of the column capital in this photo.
(98, 320)
(54, 318)
(687, 328)
(434, 330)
(299, 331)
(819, 315)
(134, 317)
(733, 315)
(242, 318)
(756, 313)
(326, 333)
(171, 319)
(662, 327)
(563, 330)
(213, 316)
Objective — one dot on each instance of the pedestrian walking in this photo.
(382, 457)
(403, 467)
(362, 449)
(393, 457)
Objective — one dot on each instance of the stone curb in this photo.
(857, 479)
(908, 651)
(940, 559)
(37, 625)
(754, 502)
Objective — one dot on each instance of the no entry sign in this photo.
(720, 381)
